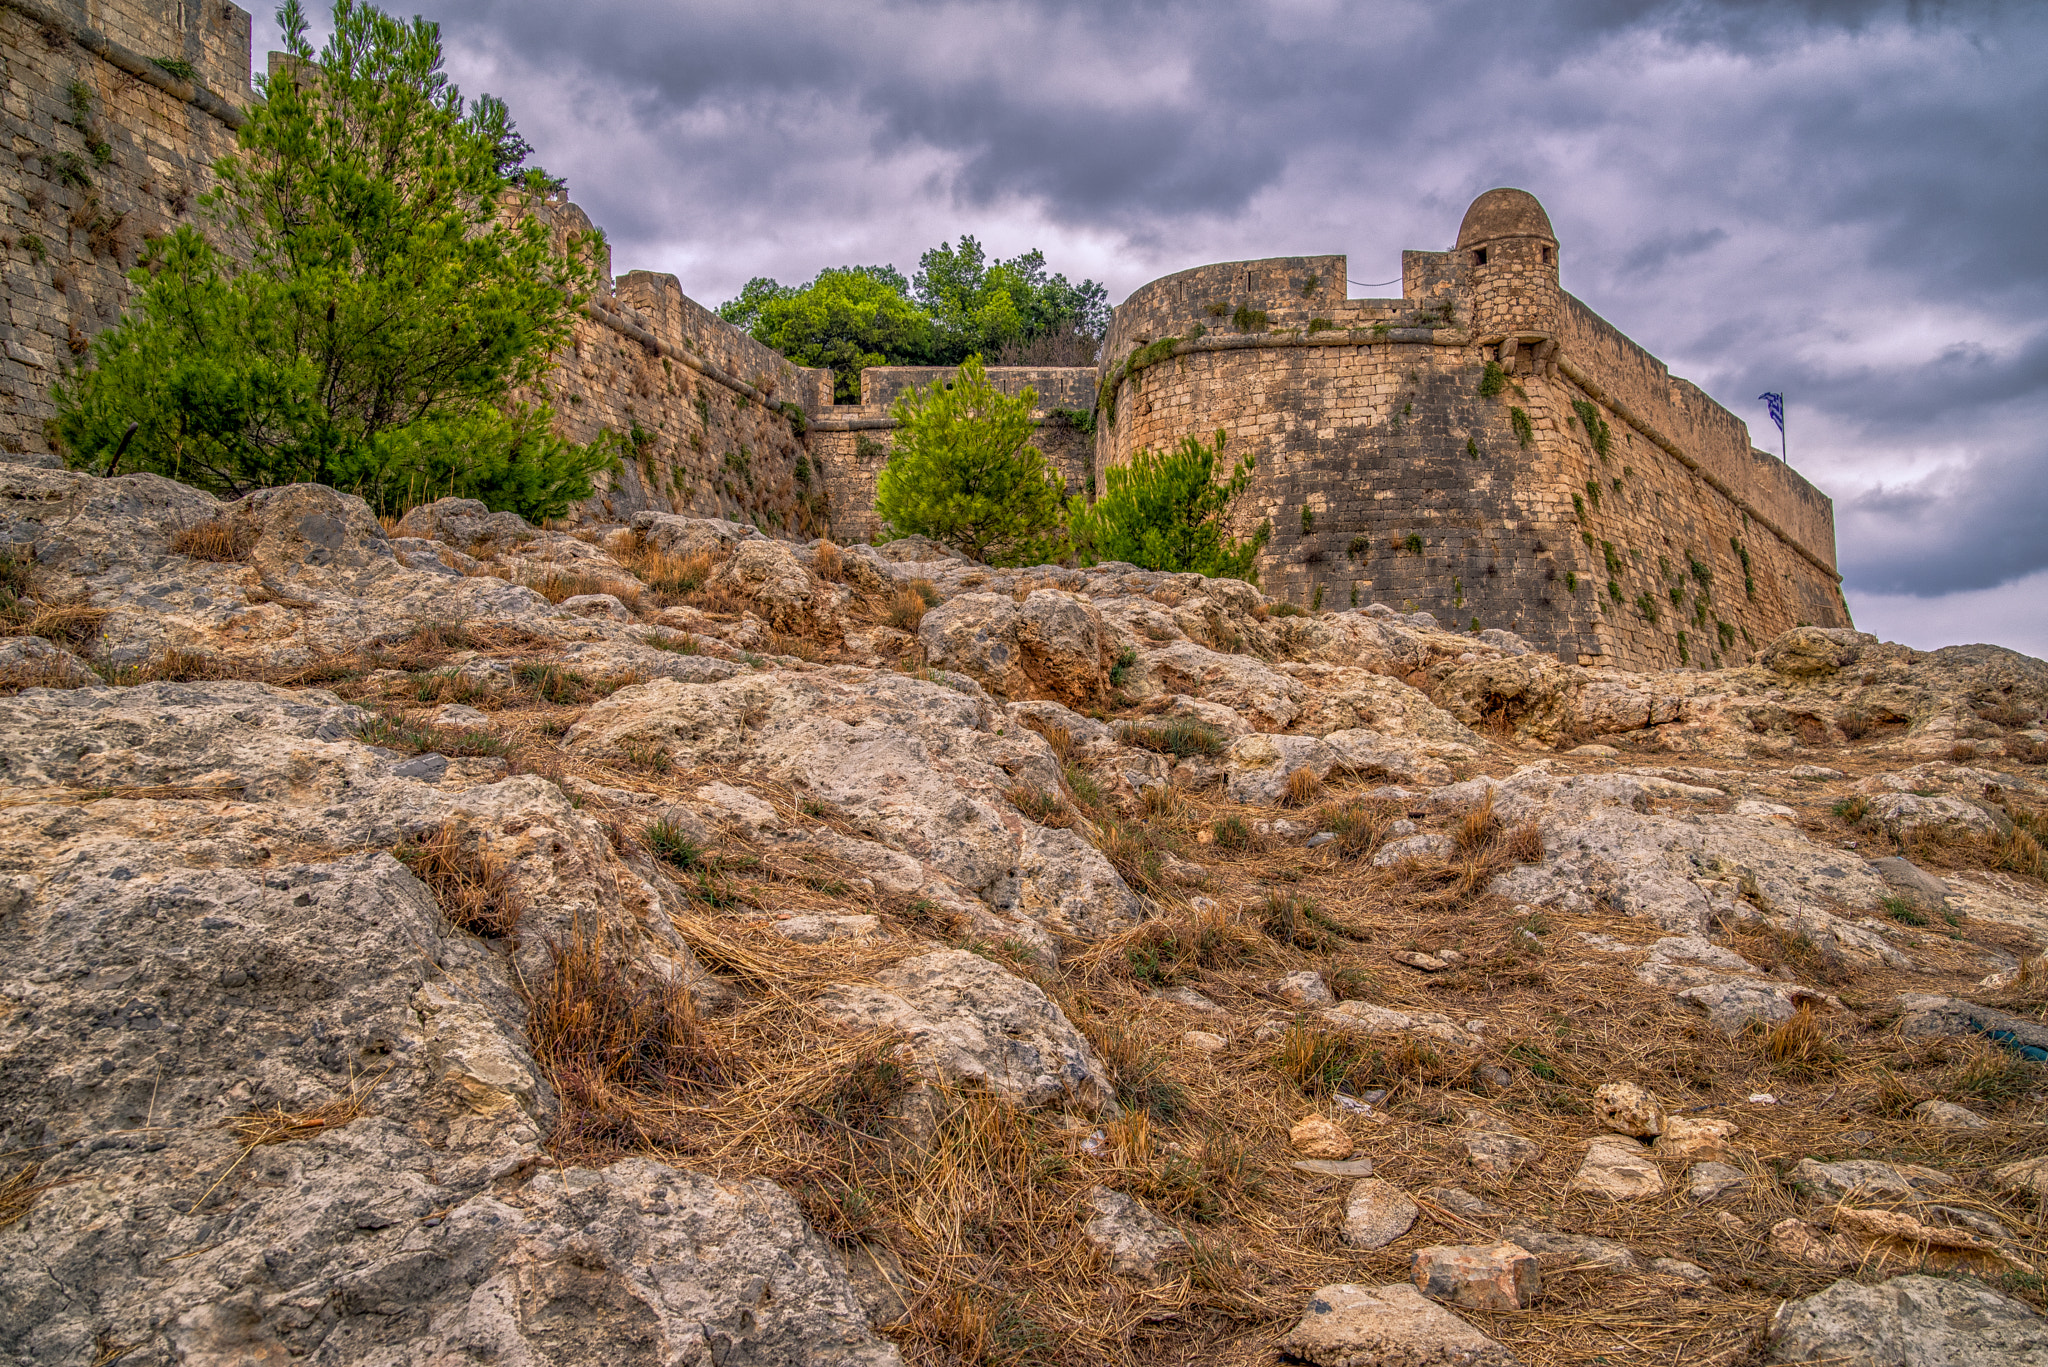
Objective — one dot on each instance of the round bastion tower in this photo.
(1509, 252)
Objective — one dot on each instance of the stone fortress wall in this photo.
(105, 148)
(1365, 413)
(1388, 477)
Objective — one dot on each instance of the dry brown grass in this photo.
(19, 1191)
(472, 886)
(1304, 787)
(221, 539)
(828, 563)
(277, 1125)
(44, 673)
(66, 625)
(1058, 737)
(618, 1046)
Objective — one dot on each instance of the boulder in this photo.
(1565, 1252)
(785, 594)
(1318, 1137)
(1618, 1168)
(1866, 1179)
(1049, 646)
(1909, 1320)
(1812, 652)
(230, 938)
(1268, 698)
(1906, 814)
(2027, 1177)
(1689, 1138)
(1912, 881)
(32, 662)
(968, 1019)
(1376, 1213)
(1800, 1242)
(462, 523)
(1136, 1241)
(1627, 1109)
(1949, 1116)
(1305, 989)
(921, 767)
(679, 536)
(1349, 1325)
(315, 574)
(1257, 767)
(1501, 1276)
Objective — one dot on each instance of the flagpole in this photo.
(1784, 449)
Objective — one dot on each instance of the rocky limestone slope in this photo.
(464, 942)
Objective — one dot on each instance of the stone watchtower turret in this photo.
(1509, 253)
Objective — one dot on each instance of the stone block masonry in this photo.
(106, 147)
(1588, 501)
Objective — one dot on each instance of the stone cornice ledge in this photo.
(1670, 448)
(130, 61)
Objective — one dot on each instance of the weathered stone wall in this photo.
(1421, 494)
(108, 150)
(702, 410)
(1056, 386)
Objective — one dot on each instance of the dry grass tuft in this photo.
(472, 886)
(1800, 1047)
(618, 1044)
(219, 540)
(277, 1125)
(907, 612)
(44, 673)
(679, 575)
(18, 1192)
(1360, 826)
(828, 564)
(1304, 786)
(1058, 737)
(1047, 809)
(68, 626)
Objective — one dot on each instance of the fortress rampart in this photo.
(1591, 503)
(1655, 535)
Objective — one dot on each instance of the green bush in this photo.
(1166, 510)
(391, 310)
(963, 472)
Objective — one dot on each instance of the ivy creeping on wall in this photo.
(1748, 570)
(1597, 431)
(1525, 431)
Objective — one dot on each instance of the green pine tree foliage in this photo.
(396, 299)
(1166, 511)
(963, 472)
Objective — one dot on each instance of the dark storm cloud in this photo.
(1973, 528)
(1836, 199)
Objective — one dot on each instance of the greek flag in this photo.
(1776, 403)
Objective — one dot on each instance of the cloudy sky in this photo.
(1844, 201)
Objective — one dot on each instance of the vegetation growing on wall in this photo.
(1597, 431)
(1525, 431)
(1748, 571)
(388, 313)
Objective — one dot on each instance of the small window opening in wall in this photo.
(1546, 256)
(1479, 257)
